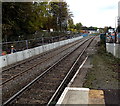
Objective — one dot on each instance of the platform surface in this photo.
(81, 96)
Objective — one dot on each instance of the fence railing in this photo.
(31, 43)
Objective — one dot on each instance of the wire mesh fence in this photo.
(7, 47)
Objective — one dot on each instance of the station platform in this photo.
(81, 96)
(74, 93)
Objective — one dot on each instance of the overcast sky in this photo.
(97, 13)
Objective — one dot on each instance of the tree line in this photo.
(78, 26)
(24, 19)
(20, 19)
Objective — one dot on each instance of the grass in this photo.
(104, 73)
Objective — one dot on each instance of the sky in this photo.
(96, 13)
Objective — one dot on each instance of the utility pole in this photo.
(115, 29)
(118, 14)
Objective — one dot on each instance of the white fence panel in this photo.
(19, 56)
(26, 54)
(40, 49)
(31, 52)
(12, 58)
(15, 57)
(3, 61)
(36, 50)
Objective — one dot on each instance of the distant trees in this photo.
(78, 26)
(70, 23)
(24, 18)
(60, 13)
(106, 29)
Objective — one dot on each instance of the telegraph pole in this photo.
(115, 29)
(118, 16)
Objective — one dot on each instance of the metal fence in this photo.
(31, 43)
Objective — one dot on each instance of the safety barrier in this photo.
(19, 56)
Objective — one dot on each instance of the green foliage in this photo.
(60, 13)
(15, 19)
(78, 26)
(105, 29)
(26, 18)
(70, 24)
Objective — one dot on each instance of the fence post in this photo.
(52, 40)
(26, 44)
(42, 40)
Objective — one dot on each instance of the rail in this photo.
(61, 87)
(26, 70)
(46, 71)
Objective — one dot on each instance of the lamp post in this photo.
(118, 23)
(115, 30)
(116, 27)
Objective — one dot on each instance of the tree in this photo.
(25, 18)
(78, 26)
(15, 19)
(41, 15)
(105, 29)
(84, 28)
(70, 23)
(60, 13)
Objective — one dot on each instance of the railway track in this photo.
(18, 64)
(19, 78)
(44, 87)
(16, 70)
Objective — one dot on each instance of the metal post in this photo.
(52, 39)
(26, 44)
(42, 40)
(116, 29)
